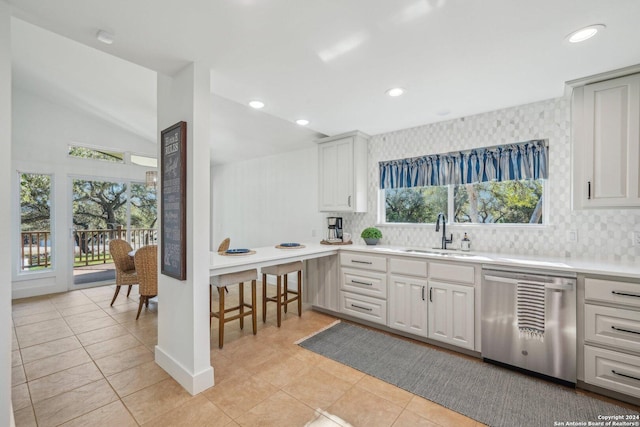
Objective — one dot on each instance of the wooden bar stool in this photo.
(282, 298)
(221, 282)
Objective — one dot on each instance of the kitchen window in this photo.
(497, 185)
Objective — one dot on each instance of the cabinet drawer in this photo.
(409, 267)
(613, 326)
(358, 260)
(612, 291)
(364, 282)
(612, 370)
(455, 272)
(363, 307)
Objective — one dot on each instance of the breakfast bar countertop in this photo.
(266, 256)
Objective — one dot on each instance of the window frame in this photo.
(381, 213)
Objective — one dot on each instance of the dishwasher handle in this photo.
(547, 285)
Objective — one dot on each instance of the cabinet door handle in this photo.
(430, 295)
(625, 330)
(357, 282)
(361, 308)
(626, 294)
(361, 262)
(588, 190)
(423, 293)
(349, 201)
(625, 375)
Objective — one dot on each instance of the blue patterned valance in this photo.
(523, 160)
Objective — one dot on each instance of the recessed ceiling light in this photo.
(302, 122)
(256, 104)
(585, 33)
(104, 36)
(396, 91)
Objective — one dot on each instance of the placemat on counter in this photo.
(290, 247)
(241, 254)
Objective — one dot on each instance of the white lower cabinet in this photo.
(364, 307)
(612, 369)
(451, 314)
(408, 304)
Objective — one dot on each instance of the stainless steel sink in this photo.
(450, 252)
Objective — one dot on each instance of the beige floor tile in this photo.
(28, 308)
(18, 375)
(25, 417)
(94, 324)
(43, 335)
(33, 328)
(124, 360)
(57, 363)
(109, 347)
(69, 299)
(84, 315)
(279, 370)
(50, 348)
(16, 358)
(137, 378)
(385, 390)
(339, 370)
(237, 395)
(74, 403)
(438, 414)
(325, 419)
(411, 419)
(103, 334)
(35, 318)
(63, 381)
(20, 397)
(156, 400)
(361, 408)
(225, 367)
(278, 410)
(14, 341)
(317, 388)
(197, 412)
(112, 415)
(79, 309)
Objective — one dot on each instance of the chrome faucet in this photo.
(444, 230)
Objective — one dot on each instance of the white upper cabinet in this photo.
(606, 143)
(342, 172)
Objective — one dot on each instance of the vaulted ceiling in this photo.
(330, 62)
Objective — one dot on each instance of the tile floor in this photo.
(79, 362)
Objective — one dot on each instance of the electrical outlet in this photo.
(635, 238)
(572, 236)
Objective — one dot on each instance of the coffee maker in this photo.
(335, 229)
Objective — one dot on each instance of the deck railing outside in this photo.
(91, 246)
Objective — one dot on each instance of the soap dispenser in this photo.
(465, 245)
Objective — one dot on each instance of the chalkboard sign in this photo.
(173, 232)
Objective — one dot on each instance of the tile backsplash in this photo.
(603, 235)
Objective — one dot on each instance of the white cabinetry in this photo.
(342, 180)
(606, 142)
(363, 286)
(407, 295)
(612, 335)
(451, 305)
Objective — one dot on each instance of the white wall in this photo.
(267, 201)
(6, 325)
(42, 132)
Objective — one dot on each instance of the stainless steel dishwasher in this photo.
(529, 320)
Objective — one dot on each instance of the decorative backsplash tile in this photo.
(602, 234)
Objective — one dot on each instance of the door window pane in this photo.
(35, 222)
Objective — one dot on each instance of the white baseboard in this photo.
(194, 383)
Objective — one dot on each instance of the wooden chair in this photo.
(146, 260)
(125, 267)
(281, 298)
(225, 280)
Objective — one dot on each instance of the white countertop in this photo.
(265, 256)
(270, 255)
(539, 262)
